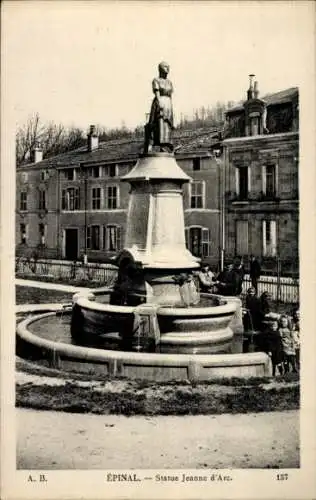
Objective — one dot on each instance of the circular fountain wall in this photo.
(41, 339)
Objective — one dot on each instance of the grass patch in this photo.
(30, 295)
(159, 399)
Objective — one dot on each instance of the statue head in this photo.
(163, 68)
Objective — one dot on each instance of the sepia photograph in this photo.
(158, 216)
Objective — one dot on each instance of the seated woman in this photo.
(206, 279)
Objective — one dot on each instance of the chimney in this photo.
(250, 92)
(36, 153)
(93, 139)
(256, 91)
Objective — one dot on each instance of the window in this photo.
(23, 233)
(112, 198)
(70, 174)
(197, 194)
(96, 198)
(42, 199)
(95, 172)
(44, 175)
(70, 199)
(112, 170)
(269, 238)
(242, 182)
(93, 237)
(24, 177)
(196, 163)
(198, 240)
(242, 239)
(23, 200)
(112, 238)
(41, 233)
(269, 180)
(255, 125)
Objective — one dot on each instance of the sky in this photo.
(81, 63)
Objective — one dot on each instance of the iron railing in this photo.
(103, 274)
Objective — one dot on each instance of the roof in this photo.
(185, 142)
(287, 95)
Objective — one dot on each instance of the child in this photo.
(271, 343)
(296, 336)
(288, 344)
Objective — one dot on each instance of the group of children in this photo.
(281, 341)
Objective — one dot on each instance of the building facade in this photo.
(261, 151)
(74, 205)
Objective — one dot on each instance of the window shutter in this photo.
(237, 180)
(203, 194)
(276, 167)
(190, 194)
(187, 233)
(264, 179)
(205, 242)
(78, 198)
(63, 199)
(242, 237)
(249, 178)
(88, 237)
(118, 238)
(185, 196)
(264, 238)
(273, 238)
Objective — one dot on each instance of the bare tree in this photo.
(27, 136)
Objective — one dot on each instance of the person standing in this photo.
(253, 317)
(238, 272)
(296, 336)
(288, 344)
(255, 272)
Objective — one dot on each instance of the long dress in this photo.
(161, 113)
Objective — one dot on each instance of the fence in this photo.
(281, 289)
(103, 274)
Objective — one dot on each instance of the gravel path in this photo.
(53, 440)
(50, 286)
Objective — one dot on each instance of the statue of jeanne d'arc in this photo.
(160, 125)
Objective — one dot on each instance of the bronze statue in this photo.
(160, 125)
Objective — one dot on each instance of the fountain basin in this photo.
(204, 329)
(149, 366)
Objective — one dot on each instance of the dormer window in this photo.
(113, 170)
(196, 164)
(95, 172)
(254, 119)
(44, 175)
(69, 174)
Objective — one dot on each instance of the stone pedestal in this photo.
(155, 237)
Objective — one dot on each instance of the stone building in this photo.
(74, 204)
(261, 155)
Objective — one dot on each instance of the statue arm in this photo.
(156, 90)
